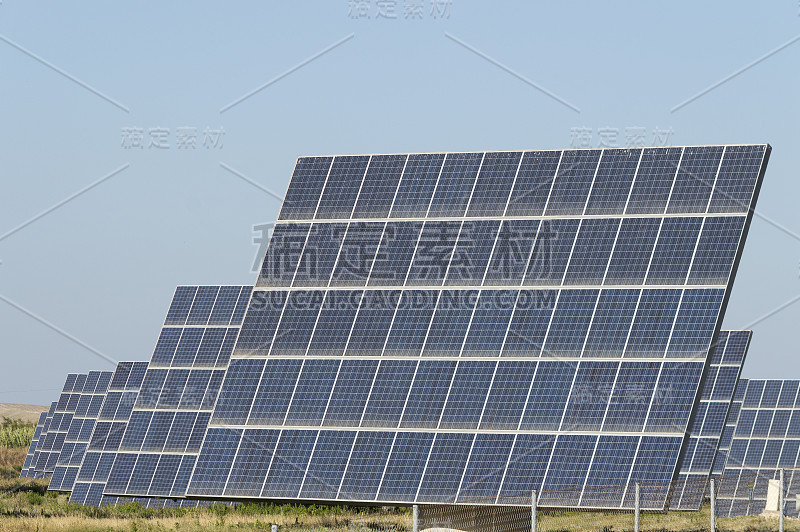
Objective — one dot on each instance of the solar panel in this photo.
(507, 321)
(32, 472)
(56, 426)
(103, 440)
(80, 430)
(168, 419)
(27, 467)
(763, 438)
(716, 396)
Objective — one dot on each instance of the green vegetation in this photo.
(15, 438)
(16, 433)
(27, 505)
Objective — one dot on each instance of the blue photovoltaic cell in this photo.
(341, 187)
(455, 184)
(573, 181)
(411, 322)
(654, 179)
(632, 251)
(471, 254)
(305, 188)
(533, 183)
(445, 467)
(181, 304)
(357, 254)
(511, 253)
(394, 254)
(432, 256)
(327, 465)
(365, 466)
(613, 181)
(551, 252)
(493, 186)
(417, 185)
(334, 323)
(739, 172)
(380, 185)
(695, 179)
(319, 254)
(286, 245)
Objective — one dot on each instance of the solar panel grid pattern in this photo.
(32, 472)
(99, 458)
(171, 412)
(27, 466)
(56, 427)
(106, 435)
(766, 439)
(717, 390)
(491, 324)
(80, 430)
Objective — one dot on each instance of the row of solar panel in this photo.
(81, 407)
(174, 432)
(688, 491)
(180, 389)
(760, 438)
(77, 404)
(208, 305)
(573, 182)
(34, 470)
(128, 376)
(157, 475)
(91, 494)
(770, 394)
(28, 465)
(650, 323)
(772, 423)
(87, 383)
(475, 395)
(59, 420)
(194, 347)
(612, 251)
(727, 357)
(426, 466)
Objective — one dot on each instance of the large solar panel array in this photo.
(87, 407)
(466, 327)
(441, 328)
(160, 443)
(730, 429)
(717, 390)
(55, 430)
(27, 467)
(105, 437)
(766, 439)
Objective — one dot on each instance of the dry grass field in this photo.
(28, 413)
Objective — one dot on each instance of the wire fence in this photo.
(745, 500)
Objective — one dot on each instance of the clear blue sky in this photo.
(103, 266)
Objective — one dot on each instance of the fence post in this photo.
(533, 511)
(780, 503)
(636, 511)
(713, 496)
(415, 518)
